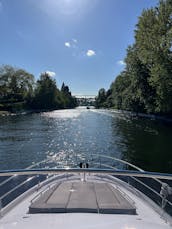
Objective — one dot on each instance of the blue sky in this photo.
(80, 42)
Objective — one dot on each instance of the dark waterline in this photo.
(27, 139)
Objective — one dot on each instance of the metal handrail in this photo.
(119, 160)
(145, 185)
(15, 188)
(105, 165)
(94, 163)
(151, 189)
(124, 162)
(29, 167)
(5, 181)
(97, 171)
(155, 192)
(129, 173)
(111, 170)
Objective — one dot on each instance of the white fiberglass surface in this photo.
(145, 218)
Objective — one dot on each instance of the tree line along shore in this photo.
(20, 92)
(145, 84)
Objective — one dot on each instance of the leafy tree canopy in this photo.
(18, 89)
(146, 83)
(15, 84)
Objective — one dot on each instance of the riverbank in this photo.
(25, 112)
(142, 115)
(3, 113)
(9, 113)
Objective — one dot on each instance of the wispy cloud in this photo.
(121, 63)
(90, 53)
(77, 50)
(51, 74)
(72, 43)
(67, 44)
(75, 41)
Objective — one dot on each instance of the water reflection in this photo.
(148, 143)
(67, 137)
(64, 114)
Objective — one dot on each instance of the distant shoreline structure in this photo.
(78, 96)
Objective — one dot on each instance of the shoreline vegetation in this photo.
(20, 93)
(142, 115)
(145, 84)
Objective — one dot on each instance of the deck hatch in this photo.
(86, 197)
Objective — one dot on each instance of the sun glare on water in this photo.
(63, 114)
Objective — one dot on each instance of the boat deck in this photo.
(86, 197)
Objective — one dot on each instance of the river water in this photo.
(72, 136)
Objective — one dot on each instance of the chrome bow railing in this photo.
(154, 185)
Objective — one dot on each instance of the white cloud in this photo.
(75, 41)
(52, 74)
(91, 53)
(121, 62)
(71, 44)
(67, 44)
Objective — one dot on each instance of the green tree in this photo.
(101, 98)
(68, 100)
(146, 83)
(47, 96)
(153, 41)
(138, 84)
(118, 88)
(15, 84)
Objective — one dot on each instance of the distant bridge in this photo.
(85, 96)
(85, 100)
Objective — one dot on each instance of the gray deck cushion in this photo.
(88, 197)
(111, 201)
(82, 198)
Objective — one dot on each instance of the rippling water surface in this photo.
(66, 137)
